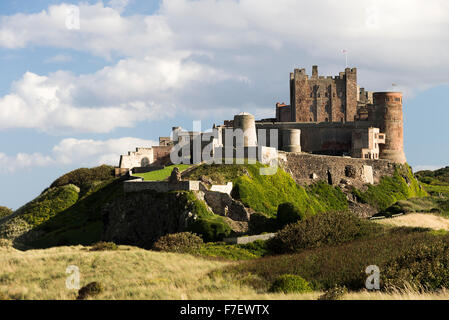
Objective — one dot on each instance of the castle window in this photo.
(319, 95)
(333, 94)
(327, 120)
(326, 94)
(311, 94)
(397, 99)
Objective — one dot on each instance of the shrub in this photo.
(4, 212)
(90, 290)
(323, 229)
(289, 283)
(211, 229)
(335, 293)
(183, 242)
(103, 246)
(259, 222)
(258, 247)
(422, 266)
(288, 213)
(85, 178)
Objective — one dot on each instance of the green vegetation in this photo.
(324, 229)
(419, 205)
(264, 193)
(288, 283)
(402, 185)
(84, 178)
(226, 251)
(90, 290)
(82, 222)
(4, 212)
(161, 174)
(104, 246)
(183, 242)
(50, 203)
(436, 177)
(288, 213)
(342, 265)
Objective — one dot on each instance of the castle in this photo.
(326, 115)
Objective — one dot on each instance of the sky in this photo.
(85, 81)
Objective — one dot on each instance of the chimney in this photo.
(314, 71)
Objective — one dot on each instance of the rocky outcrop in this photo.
(143, 217)
(224, 205)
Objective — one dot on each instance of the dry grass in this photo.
(132, 273)
(424, 220)
(408, 294)
(128, 273)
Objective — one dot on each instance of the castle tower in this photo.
(323, 99)
(291, 140)
(389, 118)
(247, 124)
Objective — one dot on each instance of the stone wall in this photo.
(244, 240)
(140, 219)
(307, 168)
(138, 185)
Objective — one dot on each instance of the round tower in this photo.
(291, 140)
(389, 119)
(247, 124)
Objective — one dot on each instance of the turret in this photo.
(389, 118)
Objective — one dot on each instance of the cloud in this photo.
(191, 57)
(78, 152)
(133, 90)
(60, 58)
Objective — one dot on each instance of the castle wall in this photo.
(307, 168)
(325, 138)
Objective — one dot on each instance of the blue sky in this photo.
(80, 95)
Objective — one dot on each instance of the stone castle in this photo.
(326, 116)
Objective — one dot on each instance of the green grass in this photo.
(264, 193)
(162, 174)
(81, 223)
(50, 203)
(402, 185)
(247, 251)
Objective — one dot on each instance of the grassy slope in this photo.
(128, 273)
(402, 185)
(162, 174)
(263, 193)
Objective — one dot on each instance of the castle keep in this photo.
(327, 116)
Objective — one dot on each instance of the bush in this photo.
(183, 242)
(344, 264)
(259, 223)
(289, 283)
(4, 212)
(211, 229)
(423, 266)
(323, 229)
(335, 293)
(227, 251)
(288, 213)
(5, 243)
(85, 178)
(90, 290)
(104, 246)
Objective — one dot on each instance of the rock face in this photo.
(141, 218)
(223, 205)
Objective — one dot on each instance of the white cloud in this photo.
(60, 58)
(193, 56)
(84, 152)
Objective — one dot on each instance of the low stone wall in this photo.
(227, 188)
(248, 239)
(307, 168)
(138, 185)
